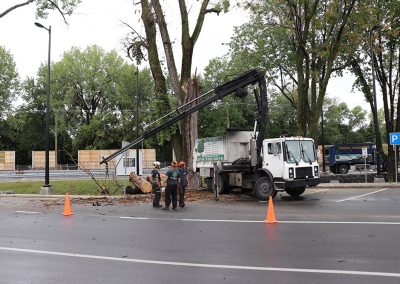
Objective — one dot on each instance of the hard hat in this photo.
(156, 164)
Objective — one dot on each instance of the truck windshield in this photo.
(300, 150)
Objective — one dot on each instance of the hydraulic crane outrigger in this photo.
(236, 86)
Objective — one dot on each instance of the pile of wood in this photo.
(143, 185)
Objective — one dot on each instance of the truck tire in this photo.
(295, 191)
(224, 184)
(264, 188)
(343, 169)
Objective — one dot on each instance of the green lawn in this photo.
(74, 187)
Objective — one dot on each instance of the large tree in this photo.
(8, 80)
(298, 42)
(93, 97)
(184, 86)
(377, 24)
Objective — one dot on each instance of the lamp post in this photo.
(137, 118)
(323, 139)
(46, 189)
(375, 109)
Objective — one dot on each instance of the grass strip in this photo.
(74, 187)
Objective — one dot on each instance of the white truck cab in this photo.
(292, 163)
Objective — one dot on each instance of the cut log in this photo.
(142, 184)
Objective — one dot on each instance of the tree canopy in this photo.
(8, 80)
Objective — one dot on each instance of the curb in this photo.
(359, 185)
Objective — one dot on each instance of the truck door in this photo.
(273, 158)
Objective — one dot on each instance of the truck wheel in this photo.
(264, 188)
(224, 184)
(343, 169)
(296, 191)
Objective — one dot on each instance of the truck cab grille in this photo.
(304, 172)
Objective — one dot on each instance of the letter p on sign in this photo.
(394, 138)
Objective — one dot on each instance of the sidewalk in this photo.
(359, 185)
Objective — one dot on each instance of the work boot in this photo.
(174, 208)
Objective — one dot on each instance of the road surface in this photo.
(332, 235)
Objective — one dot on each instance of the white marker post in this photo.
(365, 155)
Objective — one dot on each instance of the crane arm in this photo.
(237, 86)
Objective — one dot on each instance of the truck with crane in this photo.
(263, 166)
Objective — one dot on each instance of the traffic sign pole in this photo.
(365, 155)
(395, 161)
(365, 169)
(394, 139)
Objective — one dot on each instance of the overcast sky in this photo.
(99, 22)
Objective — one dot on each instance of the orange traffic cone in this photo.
(67, 206)
(270, 214)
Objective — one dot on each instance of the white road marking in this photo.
(340, 222)
(27, 212)
(256, 221)
(206, 265)
(135, 218)
(221, 220)
(321, 190)
(186, 220)
(355, 197)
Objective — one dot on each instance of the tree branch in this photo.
(169, 54)
(59, 10)
(15, 7)
(200, 21)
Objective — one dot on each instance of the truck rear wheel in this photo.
(264, 188)
(296, 191)
(224, 184)
(343, 169)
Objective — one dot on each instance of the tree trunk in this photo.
(390, 164)
(189, 123)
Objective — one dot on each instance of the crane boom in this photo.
(237, 86)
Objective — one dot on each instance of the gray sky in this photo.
(99, 22)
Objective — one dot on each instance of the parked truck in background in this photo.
(287, 163)
(341, 157)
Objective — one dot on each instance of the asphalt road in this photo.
(331, 235)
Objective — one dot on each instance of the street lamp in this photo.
(375, 109)
(46, 188)
(137, 117)
(138, 57)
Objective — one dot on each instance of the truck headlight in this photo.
(291, 173)
(316, 170)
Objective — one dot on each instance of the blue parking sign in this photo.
(394, 138)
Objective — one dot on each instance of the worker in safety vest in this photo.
(156, 184)
(184, 181)
(171, 190)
